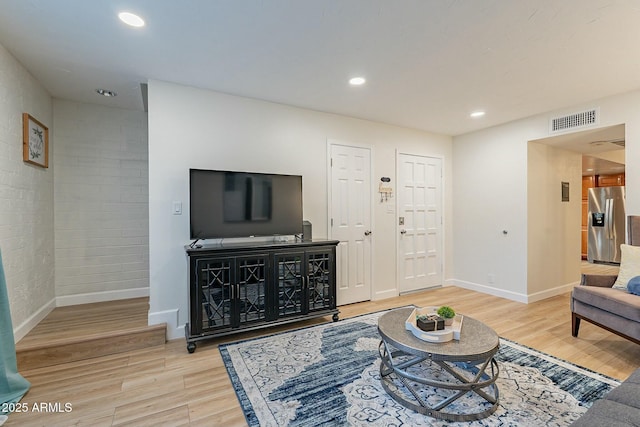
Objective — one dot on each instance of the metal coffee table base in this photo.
(395, 364)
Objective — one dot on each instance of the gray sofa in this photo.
(619, 408)
(612, 309)
(619, 312)
(597, 302)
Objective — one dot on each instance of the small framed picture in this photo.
(35, 141)
(565, 191)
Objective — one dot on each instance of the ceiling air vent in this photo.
(574, 121)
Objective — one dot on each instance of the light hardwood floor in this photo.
(166, 386)
(84, 331)
(589, 268)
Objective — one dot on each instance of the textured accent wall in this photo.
(26, 196)
(101, 202)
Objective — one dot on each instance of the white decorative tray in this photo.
(447, 334)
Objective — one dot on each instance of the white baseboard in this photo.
(514, 296)
(385, 294)
(101, 296)
(23, 329)
(170, 317)
(548, 293)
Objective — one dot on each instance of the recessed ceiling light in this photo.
(477, 114)
(357, 81)
(131, 19)
(105, 92)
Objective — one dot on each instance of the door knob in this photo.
(367, 233)
(403, 231)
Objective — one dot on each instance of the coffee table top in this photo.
(477, 340)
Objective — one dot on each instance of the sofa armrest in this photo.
(601, 281)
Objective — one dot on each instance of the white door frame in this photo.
(443, 219)
(331, 142)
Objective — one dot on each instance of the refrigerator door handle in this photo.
(606, 219)
(609, 218)
(605, 230)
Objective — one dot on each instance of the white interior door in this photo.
(350, 220)
(419, 222)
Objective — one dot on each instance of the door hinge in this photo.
(332, 222)
(331, 161)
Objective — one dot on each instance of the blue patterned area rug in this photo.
(328, 375)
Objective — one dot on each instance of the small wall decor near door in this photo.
(35, 141)
(350, 220)
(419, 223)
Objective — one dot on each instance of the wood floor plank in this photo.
(177, 417)
(53, 374)
(55, 352)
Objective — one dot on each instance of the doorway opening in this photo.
(582, 160)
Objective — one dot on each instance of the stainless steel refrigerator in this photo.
(606, 228)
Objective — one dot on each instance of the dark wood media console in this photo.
(240, 287)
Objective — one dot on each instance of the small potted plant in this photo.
(447, 313)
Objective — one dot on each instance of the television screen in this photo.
(246, 197)
(241, 204)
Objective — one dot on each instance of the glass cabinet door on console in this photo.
(251, 274)
(213, 280)
(290, 284)
(304, 282)
(320, 280)
(232, 291)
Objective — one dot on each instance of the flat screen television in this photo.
(224, 204)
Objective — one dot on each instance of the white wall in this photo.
(101, 203)
(490, 194)
(624, 109)
(553, 225)
(195, 128)
(489, 199)
(26, 200)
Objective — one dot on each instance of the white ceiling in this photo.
(428, 63)
(590, 141)
(602, 148)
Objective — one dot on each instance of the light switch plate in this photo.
(177, 208)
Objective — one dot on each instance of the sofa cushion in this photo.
(616, 301)
(618, 408)
(634, 285)
(629, 265)
(609, 413)
(626, 394)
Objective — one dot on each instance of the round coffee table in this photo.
(428, 377)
